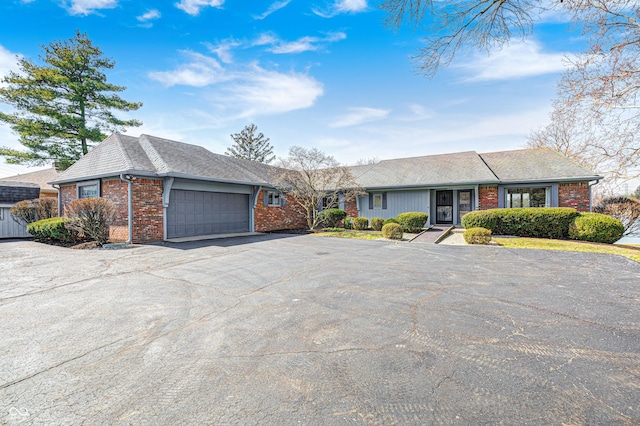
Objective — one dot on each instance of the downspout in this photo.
(591, 194)
(127, 178)
(59, 199)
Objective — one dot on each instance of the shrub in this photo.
(412, 221)
(390, 220)
(91, 217)
(597, 228)
(52, 229)
(29, 211)
(392, 231)
(480, 219)
(625, 209)
(477, 236)
(348, 223)
(360, 223)
(537, 222)
(377, 223)
(331, 217)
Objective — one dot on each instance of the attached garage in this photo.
(191, 213)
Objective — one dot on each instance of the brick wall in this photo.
(488, 197)
(273, 218)
(574, 194)
(68, 194)
(351, 208)
(116, 191)
(147, 210)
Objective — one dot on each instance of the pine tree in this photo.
(249, 146)
(63, 106)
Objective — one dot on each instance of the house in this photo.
(10, 193)
(165, 189)
(41, 178)
(449, 185)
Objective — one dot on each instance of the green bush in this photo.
(480, 219)
(392, 231)
(390, 220)
(537, 222)
(52, 229)
(377, 223)
(477, 236)
(91, 217)
(330, 218)
(360, 223)
(348, 223)
(596, 228)
(412, 221)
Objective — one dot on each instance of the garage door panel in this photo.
(192, 213)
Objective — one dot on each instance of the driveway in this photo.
(278, 329)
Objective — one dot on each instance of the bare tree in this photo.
(314, 179)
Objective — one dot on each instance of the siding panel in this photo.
(397, 202)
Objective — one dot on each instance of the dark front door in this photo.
(444, 206)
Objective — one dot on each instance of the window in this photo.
(377, 201)
(526, 197)
(273, 198)
(89, 189)
(1, 213)
(330, 203)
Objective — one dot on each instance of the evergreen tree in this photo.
(63, 106)
(249, 146)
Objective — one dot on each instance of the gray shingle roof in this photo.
(535, 164)
(431, 170)
(152, 156)
(40, 177)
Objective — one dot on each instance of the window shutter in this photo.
(283, 200)
(266, 197)
(384, 201)
(370, 201)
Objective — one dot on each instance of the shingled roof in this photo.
(156, 157)
(39, 177)
(153, 156)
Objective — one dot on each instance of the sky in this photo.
(323, 73)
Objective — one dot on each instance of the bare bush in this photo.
(91, 218)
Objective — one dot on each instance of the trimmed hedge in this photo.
(392, 231)
(360, 223)
(477, 236)
(537, 222)
(377, 223)
(596, 228)
(390, 220)
(412, 221)
(52, 229)
(331, 217)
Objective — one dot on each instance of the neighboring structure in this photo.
(41, 178)
(165, 189)
(10, 193)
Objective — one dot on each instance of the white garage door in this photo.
(193, 213)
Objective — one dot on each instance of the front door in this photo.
(444, 207)
(464, 203)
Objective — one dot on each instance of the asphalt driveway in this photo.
(304, 330)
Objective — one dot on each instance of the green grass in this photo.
(544, 244)
(350, 233)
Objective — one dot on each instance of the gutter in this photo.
(128, 179)
(591, 194)
(59, 199)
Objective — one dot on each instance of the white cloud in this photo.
(149, 16)
(418, 113)
(85, 7)
(359, 116)
(520, 60)
(243, 91)
(342, 6)
(200, 71)
(275, 6)
(223, 49)
(8, 62)
(303, 44)
(192, 7)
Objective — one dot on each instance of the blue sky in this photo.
(323, 73)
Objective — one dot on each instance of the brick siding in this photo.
(488, 197)
(68, 194)
(116, 191)
(147, 210)
(351, 208)
(273, 218)
(574, 194)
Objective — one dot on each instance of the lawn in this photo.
(350, 233)
(544, 244)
